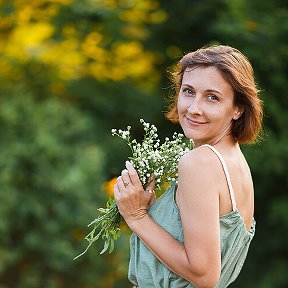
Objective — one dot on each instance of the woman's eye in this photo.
(188, 91)
(213, 97)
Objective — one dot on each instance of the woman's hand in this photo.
(132, 200)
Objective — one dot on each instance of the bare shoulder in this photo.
(198, 184)
(200, 160)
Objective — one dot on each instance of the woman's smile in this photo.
(195, 123)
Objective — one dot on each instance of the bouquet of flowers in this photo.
(150, 159)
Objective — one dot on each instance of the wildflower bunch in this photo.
(151, 160)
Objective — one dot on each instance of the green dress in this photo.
(146, 271)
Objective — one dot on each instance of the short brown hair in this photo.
(237, 70)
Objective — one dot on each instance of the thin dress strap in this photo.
(226, 174)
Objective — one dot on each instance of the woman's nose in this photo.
(195, 107)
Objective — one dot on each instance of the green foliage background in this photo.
(73, 69)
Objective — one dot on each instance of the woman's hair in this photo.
(237, 70)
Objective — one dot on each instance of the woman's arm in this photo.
(198, 260)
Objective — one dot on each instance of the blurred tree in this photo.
(71, 70)
(50, 168)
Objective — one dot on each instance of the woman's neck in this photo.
(226, 140)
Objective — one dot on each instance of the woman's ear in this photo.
(238, 111)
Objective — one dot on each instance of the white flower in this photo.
(148, 158)
(151, 158)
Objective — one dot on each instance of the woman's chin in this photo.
(196, 140)
(188, 134)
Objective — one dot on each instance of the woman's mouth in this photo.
(193, 122)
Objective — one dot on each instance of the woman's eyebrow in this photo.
(214, 91)
(188, 85)
(208, 90)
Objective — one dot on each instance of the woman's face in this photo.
(205, 105)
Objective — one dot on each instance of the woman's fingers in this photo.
(129, 181)
(116, 192)
(133, 174)
(132, 200)
(149, 191)
(151, 184)
(126, 178)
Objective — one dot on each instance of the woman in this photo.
(197, 234)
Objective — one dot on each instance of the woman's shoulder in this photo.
(199, 158)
